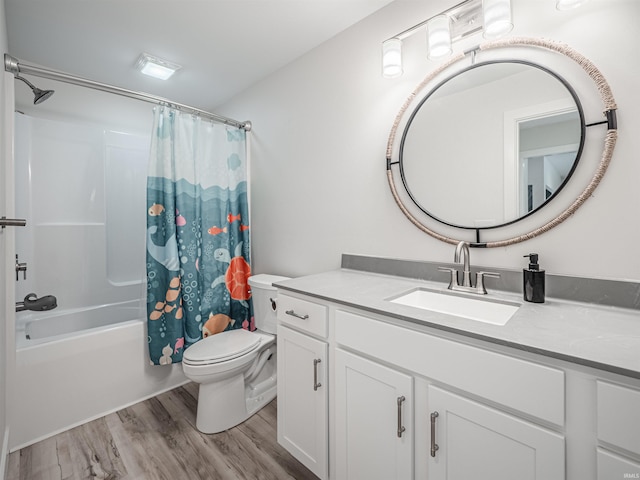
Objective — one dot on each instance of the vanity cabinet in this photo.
(373, 420)
(472, 440)
(618, 422)
(302, 382)
(401, 401)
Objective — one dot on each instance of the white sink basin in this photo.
(495, 312)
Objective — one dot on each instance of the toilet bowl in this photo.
(236, 369)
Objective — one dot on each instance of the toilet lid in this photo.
(221, 347)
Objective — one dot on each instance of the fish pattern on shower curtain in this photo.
(197, 233)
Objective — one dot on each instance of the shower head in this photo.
(39, 95)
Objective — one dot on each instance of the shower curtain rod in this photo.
(16, 67)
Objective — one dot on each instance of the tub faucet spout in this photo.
(32, 302)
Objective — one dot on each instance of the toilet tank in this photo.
(264, 296)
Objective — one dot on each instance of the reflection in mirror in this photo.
(545, 157)
(514, 143)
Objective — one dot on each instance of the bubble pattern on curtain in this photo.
(197, 233)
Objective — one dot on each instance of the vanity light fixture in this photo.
(492, 17)
(442, 30)
(156, 67)
(569, 4)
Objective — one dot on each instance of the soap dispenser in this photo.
(533, 280)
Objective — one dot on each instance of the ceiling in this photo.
(223, 46)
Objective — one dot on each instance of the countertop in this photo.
(598, 336)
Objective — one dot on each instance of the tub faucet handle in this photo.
(20, 267)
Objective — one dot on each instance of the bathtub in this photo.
(79, 365)
(39, 327)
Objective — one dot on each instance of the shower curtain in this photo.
(197, 233)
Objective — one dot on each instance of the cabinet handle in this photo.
(316, 384)
(434, 445)
(400, 427)
(297, 315)
(12, 222)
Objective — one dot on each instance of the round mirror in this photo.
(495, 142)
(516, 138)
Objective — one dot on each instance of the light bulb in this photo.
(439, 36)
(392, 58)
(497, 17)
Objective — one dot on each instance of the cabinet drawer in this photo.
(303, 315)
(525, 386)
(619, 416)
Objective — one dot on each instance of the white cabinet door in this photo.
(612, 467)
(302, 399)
(478, 442)
(373, 420)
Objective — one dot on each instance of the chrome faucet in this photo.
(462, 250)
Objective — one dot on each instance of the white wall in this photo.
(320, 130)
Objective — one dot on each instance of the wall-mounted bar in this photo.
(466, 19)
(16, 67)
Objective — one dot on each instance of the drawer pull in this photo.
(297, 315)
(316, 384)
(434, 445)
(401, 429)
(12, 222)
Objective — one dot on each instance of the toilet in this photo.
(236, 369)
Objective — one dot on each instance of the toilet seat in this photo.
(221, 347)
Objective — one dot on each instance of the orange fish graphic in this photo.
(156, 209)
(244, 228)
(216, 324)
(217, 230)
(231, 218)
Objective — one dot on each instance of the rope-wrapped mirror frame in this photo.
(609, 142)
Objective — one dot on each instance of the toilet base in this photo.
(225, 404)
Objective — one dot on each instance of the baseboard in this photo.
(4, 460)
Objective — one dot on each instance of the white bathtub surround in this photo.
(81, 187)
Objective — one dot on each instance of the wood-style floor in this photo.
(157, 439)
